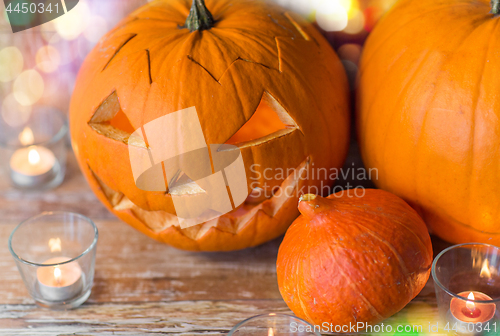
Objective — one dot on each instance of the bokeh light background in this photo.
(39, 65)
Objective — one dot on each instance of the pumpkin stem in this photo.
(310, 205)
(495, 7)
(199, 17)
(307, 197)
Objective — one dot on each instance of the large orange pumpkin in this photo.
(259, 78)
(353, 259)
(429, 113)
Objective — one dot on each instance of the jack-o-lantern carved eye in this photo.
(110, 121)
(269, 121)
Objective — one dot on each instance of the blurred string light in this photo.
(349, 16)
(332, 15)
(11, 63)
(68, 51)
(96, 28)
(13, 113)
(83, 48)
(40, 67)
(28, 87)
(303, 7)
(53, 86)
(350, 52)
(356, 22)
(73, 23)
(68, 79)
(49, 33)
(48, 59)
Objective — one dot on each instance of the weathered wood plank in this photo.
(176, 318)
(72, 195)
(170, 318)
(131, 267)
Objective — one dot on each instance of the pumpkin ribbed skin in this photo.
(353, 259)
(429, 113)
(156, 67)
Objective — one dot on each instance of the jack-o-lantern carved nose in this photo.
(201, 185)
(110, 121)
(269, 121)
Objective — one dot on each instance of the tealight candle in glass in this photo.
(55, 254)
(35, 149)
(274, 324)
(467, 284)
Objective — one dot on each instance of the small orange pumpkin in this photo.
(350, 259)
(428, 113)
(259, 78)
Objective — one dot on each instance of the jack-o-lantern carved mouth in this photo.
(233, 222)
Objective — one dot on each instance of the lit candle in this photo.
(59, 283)
(467, 313)
(33, 165)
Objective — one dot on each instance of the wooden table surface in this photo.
(143, 287)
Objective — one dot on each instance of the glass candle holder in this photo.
(35, 149)
(55, 254)
(467, 283)
(274, 324)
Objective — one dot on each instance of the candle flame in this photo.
(469, 304)
(485, 270)
(270, 332)
(26, 136)
(33, 156)
(57, 275)
(55, 244)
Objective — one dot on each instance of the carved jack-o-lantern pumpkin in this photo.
(259, 78)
